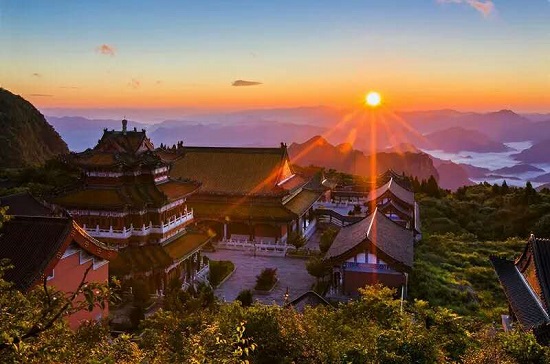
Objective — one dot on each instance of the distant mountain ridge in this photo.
(457, 139)
(26, 138)
(318, 151)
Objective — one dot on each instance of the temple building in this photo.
(526, 283)
(373, 250)
(390, 194)
(55, 250)
(248, 196)
(128, 199)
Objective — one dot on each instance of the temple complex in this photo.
(248, 196)
(389, 193)
(128, 200)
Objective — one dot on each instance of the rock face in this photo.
(317, 151)
(26, 138)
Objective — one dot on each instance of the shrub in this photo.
(296, 239)
(245, 297)
(267, 279)
(219, 270)
(327, 237)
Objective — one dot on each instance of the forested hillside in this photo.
(26, 138)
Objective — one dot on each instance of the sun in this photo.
(373, 99)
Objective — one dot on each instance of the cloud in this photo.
(40, 95)
(106, 50)
(36, 74)
(70, 87)
(135, 84)
(485, 7)
(245, 83)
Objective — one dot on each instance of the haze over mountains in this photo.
(457, 143)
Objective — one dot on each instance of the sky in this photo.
(475, 55)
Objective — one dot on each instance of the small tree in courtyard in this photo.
(296, 239)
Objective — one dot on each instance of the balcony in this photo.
(125, 233)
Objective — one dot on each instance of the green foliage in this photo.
(485, 212)
(266, 279)
(245, 297)
(454, 271)
(219, 270)
(542, 227)
(41, 180)
(327, 238)
(296, 239)
(317, 267)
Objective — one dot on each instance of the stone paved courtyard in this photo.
(291, 272)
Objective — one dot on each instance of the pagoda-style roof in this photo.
(127, 141)
(133, 196)
(119, 149)
(376, 231)
(309, 298)
(237, 171)
(25, 204)
(393, 187)
(303, 201)
(158, 257)
(34, 245)
(186, 244)
(526, 283)
(243, 210)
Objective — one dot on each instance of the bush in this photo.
(245, 297)
(327, 237)
(267, 279)
(219, 270)
(296, 239)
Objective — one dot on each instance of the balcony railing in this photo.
(125, 233)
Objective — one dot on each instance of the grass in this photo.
(454, 271)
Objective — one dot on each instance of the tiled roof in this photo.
(392, 239)
(541, 254)
(302, 201)
(309, 298)
(32, 243)
(186, 244)
(396, 206)
(128, 141)
(233, 171)
(523, 301)
(98, 198)
(242, 211)
(24, 204)
(392, 186)
(140, 259)
(174, 190)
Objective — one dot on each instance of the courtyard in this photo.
(291, 272)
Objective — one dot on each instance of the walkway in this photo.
(291, 272)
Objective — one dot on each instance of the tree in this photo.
(245, 297)
(327, 238)
(317, 268)
(296, 239)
